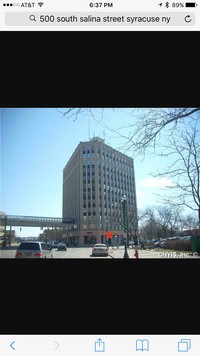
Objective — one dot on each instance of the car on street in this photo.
(100, 250)
(33, 249)
(54, 244)
(134, 244)
(62, 246)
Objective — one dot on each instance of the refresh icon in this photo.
(188, 18)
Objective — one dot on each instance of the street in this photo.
(85, 252)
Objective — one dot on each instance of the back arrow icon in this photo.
(11, 345)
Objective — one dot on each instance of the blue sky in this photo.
(36, 144)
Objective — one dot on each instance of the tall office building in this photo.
(96, 179)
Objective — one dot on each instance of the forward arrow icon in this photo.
(57, 345)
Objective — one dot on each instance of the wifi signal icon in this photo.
(40, 4)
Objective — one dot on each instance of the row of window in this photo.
(89, 213)
(108, 198)
(88, 238)
(113, 169)
(93, 213)
(89, 152)
(117, 187)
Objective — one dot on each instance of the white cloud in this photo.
(155, 182)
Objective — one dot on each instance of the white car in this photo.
(100, 250)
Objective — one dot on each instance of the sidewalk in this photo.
(154, 254)
(115, 252)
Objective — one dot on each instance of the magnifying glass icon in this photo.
(32, 18)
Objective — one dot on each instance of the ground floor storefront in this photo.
(84, 238)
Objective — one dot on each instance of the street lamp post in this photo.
(124, 209)
(105, 231)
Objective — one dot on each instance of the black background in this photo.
(99, 69)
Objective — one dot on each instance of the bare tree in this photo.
(184, 146)
(150, 228)
(189, 222)
(145, 127)
(169, 217)
(146, 131)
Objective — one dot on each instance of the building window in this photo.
(89, 239)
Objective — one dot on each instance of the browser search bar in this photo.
(84, 19)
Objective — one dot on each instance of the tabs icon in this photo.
(184, 345)
(99, 346)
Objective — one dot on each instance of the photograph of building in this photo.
(96, 180)
(123, 177)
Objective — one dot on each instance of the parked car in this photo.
(100, 250)
(134, 244)
(131, 244)
(159, 243)
(54, 244)
(49, 244)
(62, 246)
(33, 249)
(154, 244)
(186, 238)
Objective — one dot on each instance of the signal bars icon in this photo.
(40, 4)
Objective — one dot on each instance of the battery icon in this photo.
(190, 4)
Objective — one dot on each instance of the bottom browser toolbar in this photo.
(91, 345)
